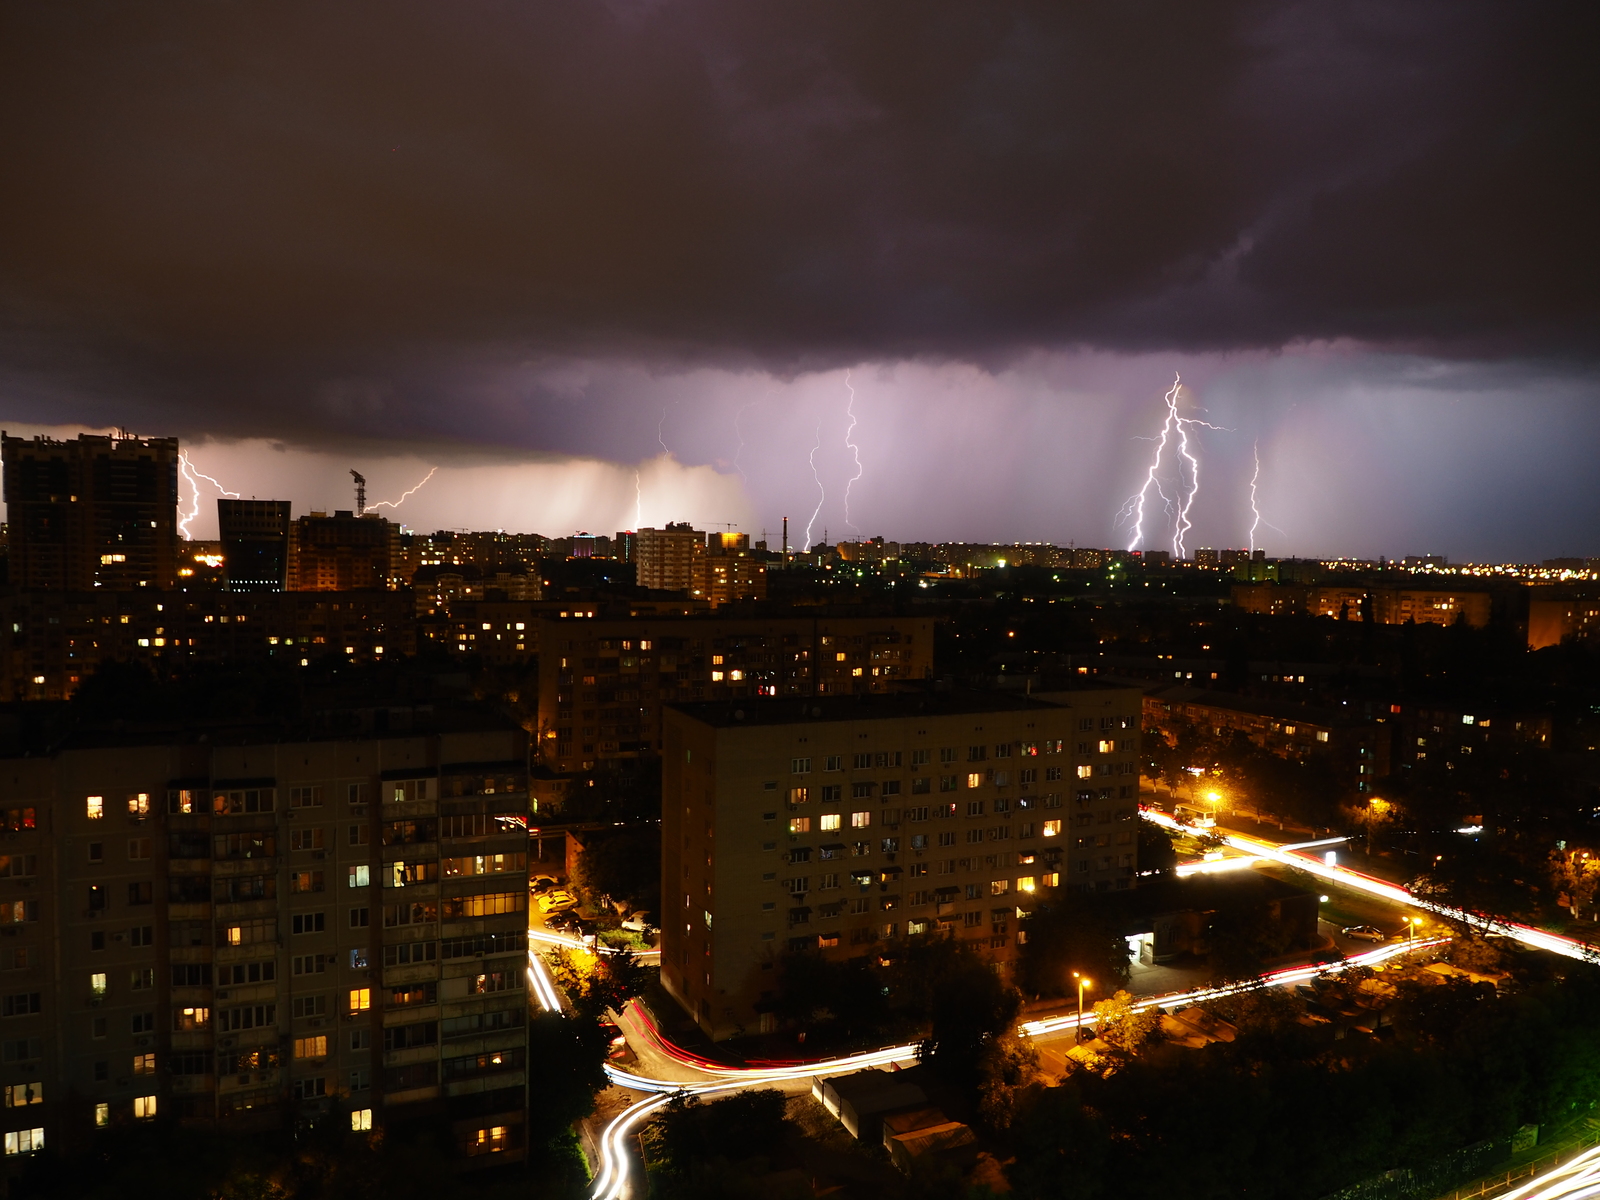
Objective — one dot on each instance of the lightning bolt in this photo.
(1255, 511)
(855, 450)
(638, 501)
(404, 496)
(822, 493)
(661, 425)
(1180, 504)
(1134, 508)
(189, 472)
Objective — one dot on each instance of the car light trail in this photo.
(1576, 1178)
(1356, 880)
(543, 986)
(1573, 1181)
(614, 1174)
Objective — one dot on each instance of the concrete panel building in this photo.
(602, 683)
(224, 929)
(846, 825)
(94, 512)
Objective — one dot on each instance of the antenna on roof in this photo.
(361, 490)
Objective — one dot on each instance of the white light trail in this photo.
(855, 450)
(397, 503)
(821, 491)
(1574, 1179)
(1526, 934)
(1255, 510)
(194, 475)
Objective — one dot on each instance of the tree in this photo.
(1156, 851)
(969, 1005)
(1076, 932)
(624, 864)
(1121, 1025)
(1575, 875)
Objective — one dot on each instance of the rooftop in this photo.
(928, 702)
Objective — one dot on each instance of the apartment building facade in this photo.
(229, 931)
(1356, 749)
(846, 825)
(92, 512)
(50, 641)
(669, 559)
(602, 683)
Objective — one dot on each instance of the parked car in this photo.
(557, 901)
(640, 922)
(541, 883)
(1365, 933)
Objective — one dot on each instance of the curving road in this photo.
(673, 1069)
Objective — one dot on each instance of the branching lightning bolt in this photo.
(638, 501)
(661, 426)
(397, 503)
(855, 450)
(1180, 505)
(194, 476)
(1255, 511)
(1134, 508)
(822, 492)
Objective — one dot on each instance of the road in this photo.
(1575, 1179)
(663, 1068)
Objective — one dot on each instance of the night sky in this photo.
(606, 263)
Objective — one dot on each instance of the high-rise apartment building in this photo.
(602, 683)
(668, 559)
(255, 544)
(845, 825)
(224, 930)
(94, 512)
(343, 553)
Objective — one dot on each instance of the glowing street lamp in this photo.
(1411, 930)
(1083, 982)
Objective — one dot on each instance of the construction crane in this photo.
(361, 491)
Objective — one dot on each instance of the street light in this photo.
(1411, 930)
(1083, 982)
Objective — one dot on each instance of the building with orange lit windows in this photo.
(848, 824)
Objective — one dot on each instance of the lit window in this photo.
(735, 675)
(974, 780)
(360, 999)
(144, 1064)
(1085, 771)
(97, 983)
(1051, 879)
(716, 677)
(25, 1141)
(716, 660)
(102, 1115)
(361, 1119)
(139, 804)
(359, 876)
(999, 887)
(1052, 829)
(19, 1095)
(860, 820)
(96, 807)
(1107, 745)
(144, 1107)
(829, 822)
(311, 1047)
(489, 1141)
(1026, 884)
(856, 672)
(799, 824)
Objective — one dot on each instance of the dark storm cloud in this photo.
(328, 213)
